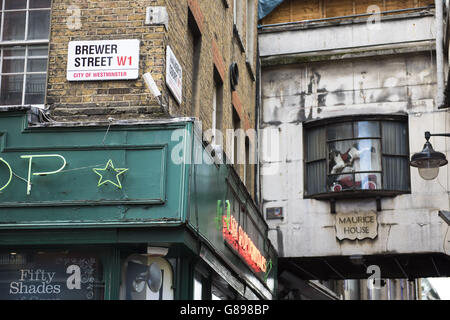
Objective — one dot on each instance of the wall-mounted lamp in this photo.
(428, 161)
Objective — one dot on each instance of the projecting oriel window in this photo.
(366, 156)
(24, 36)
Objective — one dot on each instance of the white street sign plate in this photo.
(103, 60)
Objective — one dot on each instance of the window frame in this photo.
(250, 33)
(26, 44)
(358, 193)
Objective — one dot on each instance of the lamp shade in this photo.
(428, 161)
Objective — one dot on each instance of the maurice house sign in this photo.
(354, 226)
(103, 60)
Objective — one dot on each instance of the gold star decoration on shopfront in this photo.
(110, 168)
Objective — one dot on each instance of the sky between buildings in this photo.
(442, 286)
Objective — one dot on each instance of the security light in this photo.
(151, 85)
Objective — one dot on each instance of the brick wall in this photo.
(220, 46)
(98, 100)
(130, 99)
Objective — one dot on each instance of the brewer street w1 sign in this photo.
(103, 60)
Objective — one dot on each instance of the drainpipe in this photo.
(258, 133)
(439, 4)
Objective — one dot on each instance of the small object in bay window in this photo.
(274, 213)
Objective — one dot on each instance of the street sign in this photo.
(174, 75)
(103, 60)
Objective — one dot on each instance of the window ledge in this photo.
(250, 69)
(238, 38)
(23, 42)
(358, 194)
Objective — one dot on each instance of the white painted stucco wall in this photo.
(381, 84)
(314, 37)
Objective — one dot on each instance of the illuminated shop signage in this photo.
(239, 240)
(101, 172)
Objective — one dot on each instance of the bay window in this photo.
(24, 37)
(364, 155)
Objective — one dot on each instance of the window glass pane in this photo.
(36, 65)
(368, 181)
(38, 51)
(394, 138)
(14, 52)
(235, 207)
(11, 90)
(197, 288)
(395, 173)
(35, 89)
(340, 182)
(13, 65)
(340, 131)
(375, 159)
(39, 25)
(62, 275)
(316, 177)
(15, 4)
(315, 144)
(366, 155)
(146, 278)
(40, 3)
(367, 129)
(354, 155)
(339, 157)
(14, 28)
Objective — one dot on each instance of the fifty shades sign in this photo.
(49, 277)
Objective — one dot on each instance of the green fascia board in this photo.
(211, 185)
(158, 236)
(141, 187)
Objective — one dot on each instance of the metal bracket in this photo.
(378, 200)
(333, 206)
(157, 15)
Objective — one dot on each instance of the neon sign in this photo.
(31, 158)
(239, 240)
(41, 173)
(110, 166)
(10, 174)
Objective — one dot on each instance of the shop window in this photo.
(51, 275)
(24, 36)
(198, 287)
(146, 278)
(202, 283)
(366, 156)
(217, 113)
